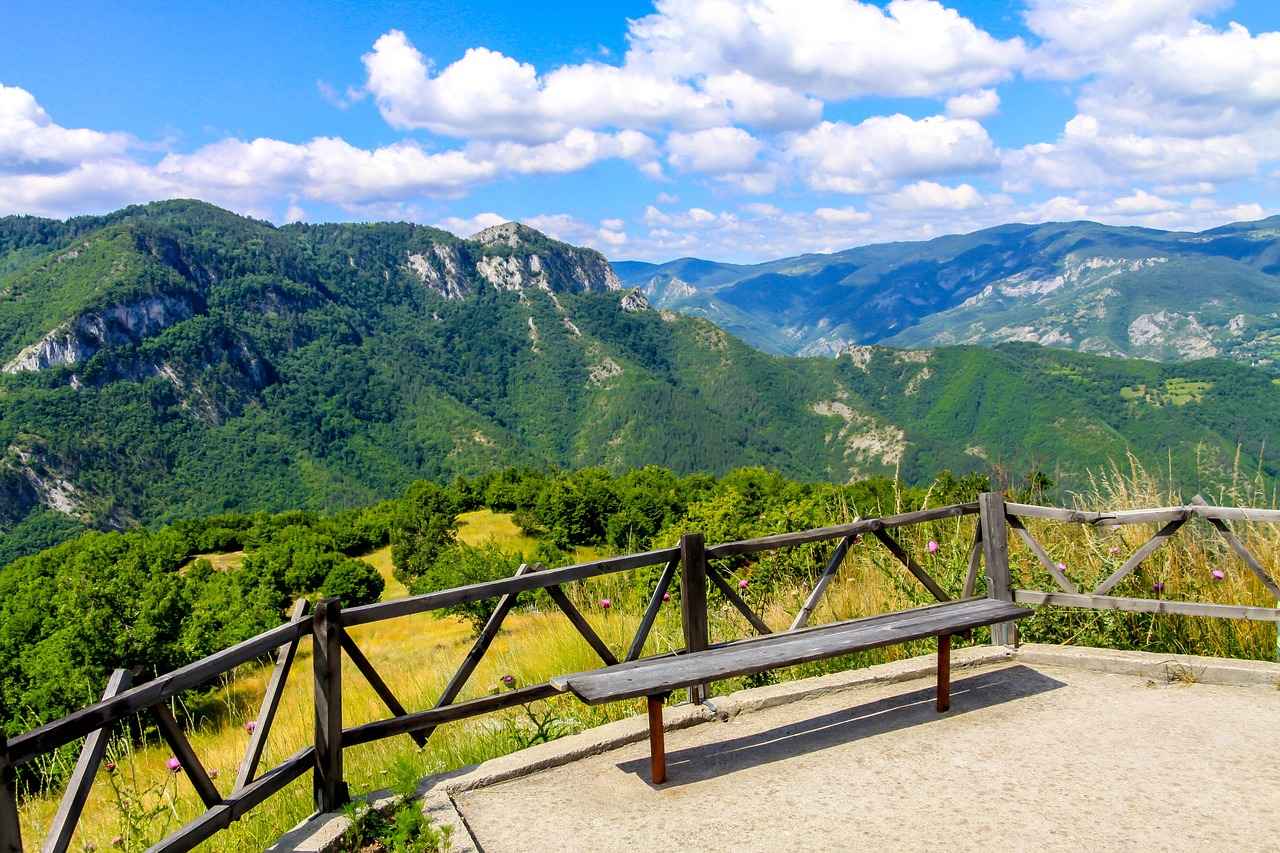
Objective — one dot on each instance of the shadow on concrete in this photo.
(686, 766)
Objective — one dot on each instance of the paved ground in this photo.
(1029, 758)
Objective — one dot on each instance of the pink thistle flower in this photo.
(174, 765)
(250, 726)
(509, 680)
(1113, 550)
(1218, 574)
(666, 596)
(1158, 586)
(742, 584)
(111, 766)
(605, 603)
(932, 546)
(1062, 567)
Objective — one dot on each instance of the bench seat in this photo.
(665, 674)
(658, 676)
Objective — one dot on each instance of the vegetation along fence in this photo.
(696, 565)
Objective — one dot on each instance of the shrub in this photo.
(353, 583)
(463, 565)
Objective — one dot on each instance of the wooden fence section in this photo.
(1172, 519)
(692, 558)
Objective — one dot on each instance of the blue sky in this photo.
(731, 129)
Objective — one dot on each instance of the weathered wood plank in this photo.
(651, 611)
(868, 525)
(63, 826)
(379, 686)
(492, 589)
(903, 557)
(1232, 513)
(1050, 566)
(79, 723)
(172, 734)
(328, 786)
(975, 560)
(561, 598)
(235, 807)
(662, 675)
(693, 602)
(1146, 550)
(1147, 605)
(824, 580)
(10, 827)
(831, 628)
(270, 703)
(736, 600)
(422, 720)
(992, 511)
(1156, 515)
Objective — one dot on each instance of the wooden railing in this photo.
(692, 558)
(1171, 519)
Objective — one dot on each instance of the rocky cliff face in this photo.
(119, 325)
(512, 258)
(516, 257)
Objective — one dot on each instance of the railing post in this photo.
(995, 555)
(10, 829)
(693, 601)
(326, 655)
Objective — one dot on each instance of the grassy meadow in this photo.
(141, 801)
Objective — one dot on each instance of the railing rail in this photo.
(327, 628)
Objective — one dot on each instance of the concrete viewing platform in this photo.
(1043, 749)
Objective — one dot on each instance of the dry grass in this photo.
(416, 655)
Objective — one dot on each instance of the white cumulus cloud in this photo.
(868, 156)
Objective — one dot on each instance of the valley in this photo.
(176, 360)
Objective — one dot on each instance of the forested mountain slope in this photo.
(1135, 292)
(176, 360)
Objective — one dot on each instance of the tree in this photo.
(425, 525)
(353, 583)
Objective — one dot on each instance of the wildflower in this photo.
(1113, 550)
(509, 680)
(1062, 567)
(1158, 586)
(111, 766)
(1218, 574)
(742, 584)
(666, 596)
(250, 726)
(174, 765)
(932, 546)
(605, 603)
(213, 774)
(118, 841)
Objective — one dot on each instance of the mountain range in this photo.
(1134, 292)
(175, 359)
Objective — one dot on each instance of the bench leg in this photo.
(657, 746)
(944, 672)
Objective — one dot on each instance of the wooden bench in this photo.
(656, 677)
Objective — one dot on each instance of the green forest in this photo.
(223, 365)
(152, 598)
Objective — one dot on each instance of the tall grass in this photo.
(416, 655)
